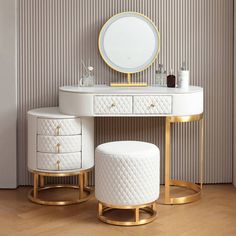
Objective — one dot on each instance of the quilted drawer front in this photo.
(68, 161)
(59, 126)
(113, 104)
(59, 144)
(152, 104)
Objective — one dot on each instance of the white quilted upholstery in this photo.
(67, 143)
(113, 104)
(68, 161)
(152, 104)
(67, 126)
(127, 173)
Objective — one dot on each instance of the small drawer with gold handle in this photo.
(161, 104)
(59, 162)
(59, 126)
(59, 144)
(104, 104)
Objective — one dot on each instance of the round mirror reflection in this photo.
(129, 42)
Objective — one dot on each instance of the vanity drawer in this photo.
(68, 161)
(59, 126)
(153, 104)
(113, 104)
(59, 144)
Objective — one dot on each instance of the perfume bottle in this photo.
(183, 77)
(171, 80)
(160, 76)
(87, 79)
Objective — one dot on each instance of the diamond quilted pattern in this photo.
(68, 161)
(127, 179)
(113, 104)
(67, 143)
(152, 104)
(67, 126)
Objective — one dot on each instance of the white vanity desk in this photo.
(177, 105)
(139, 101)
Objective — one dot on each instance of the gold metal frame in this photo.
(168, 181)
(149, 208)
(129, 81)
(84, 192)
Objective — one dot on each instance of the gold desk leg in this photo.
(85, 179)
(167, 160)
(99, 208)
(137, 214)
(172, 182)
(81, 185)
(36, 178)
(41, 181)
(201, 136)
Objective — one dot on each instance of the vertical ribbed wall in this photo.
(54, 35)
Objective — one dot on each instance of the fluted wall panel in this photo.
(55, 35)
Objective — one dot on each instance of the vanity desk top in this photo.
(103, 89)
(134, 101)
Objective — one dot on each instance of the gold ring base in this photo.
(84, 192)
(168, 199)
(147, 208)
(87, 193)
(187, 198)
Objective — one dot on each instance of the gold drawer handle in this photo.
(58, 165)
(58, 147)
(58, 130)
(113, 104)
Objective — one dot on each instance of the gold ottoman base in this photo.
(84, 192)
(147, 208)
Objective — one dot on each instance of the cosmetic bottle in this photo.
(171, 80)
(183, 77)
(160, 76)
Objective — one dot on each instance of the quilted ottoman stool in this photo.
(127, 176)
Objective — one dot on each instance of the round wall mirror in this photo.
(129, 42)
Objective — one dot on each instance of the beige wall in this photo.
(55, 35)
(7, 94)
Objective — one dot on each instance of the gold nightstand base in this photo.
(147, 208)
(84, 192)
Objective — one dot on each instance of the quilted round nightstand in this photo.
(127, 176)
(58, 146)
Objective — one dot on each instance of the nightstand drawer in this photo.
(113, 104)
(59, 144)
(59, 126)
(153, 104)
(68, 161)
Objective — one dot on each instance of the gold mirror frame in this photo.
(129, 80)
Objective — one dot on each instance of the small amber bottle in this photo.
(171, 80)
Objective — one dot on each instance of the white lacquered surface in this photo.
(150, 101)
(104, 89)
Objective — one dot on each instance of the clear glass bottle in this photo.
(160, 76)
(88, 79)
